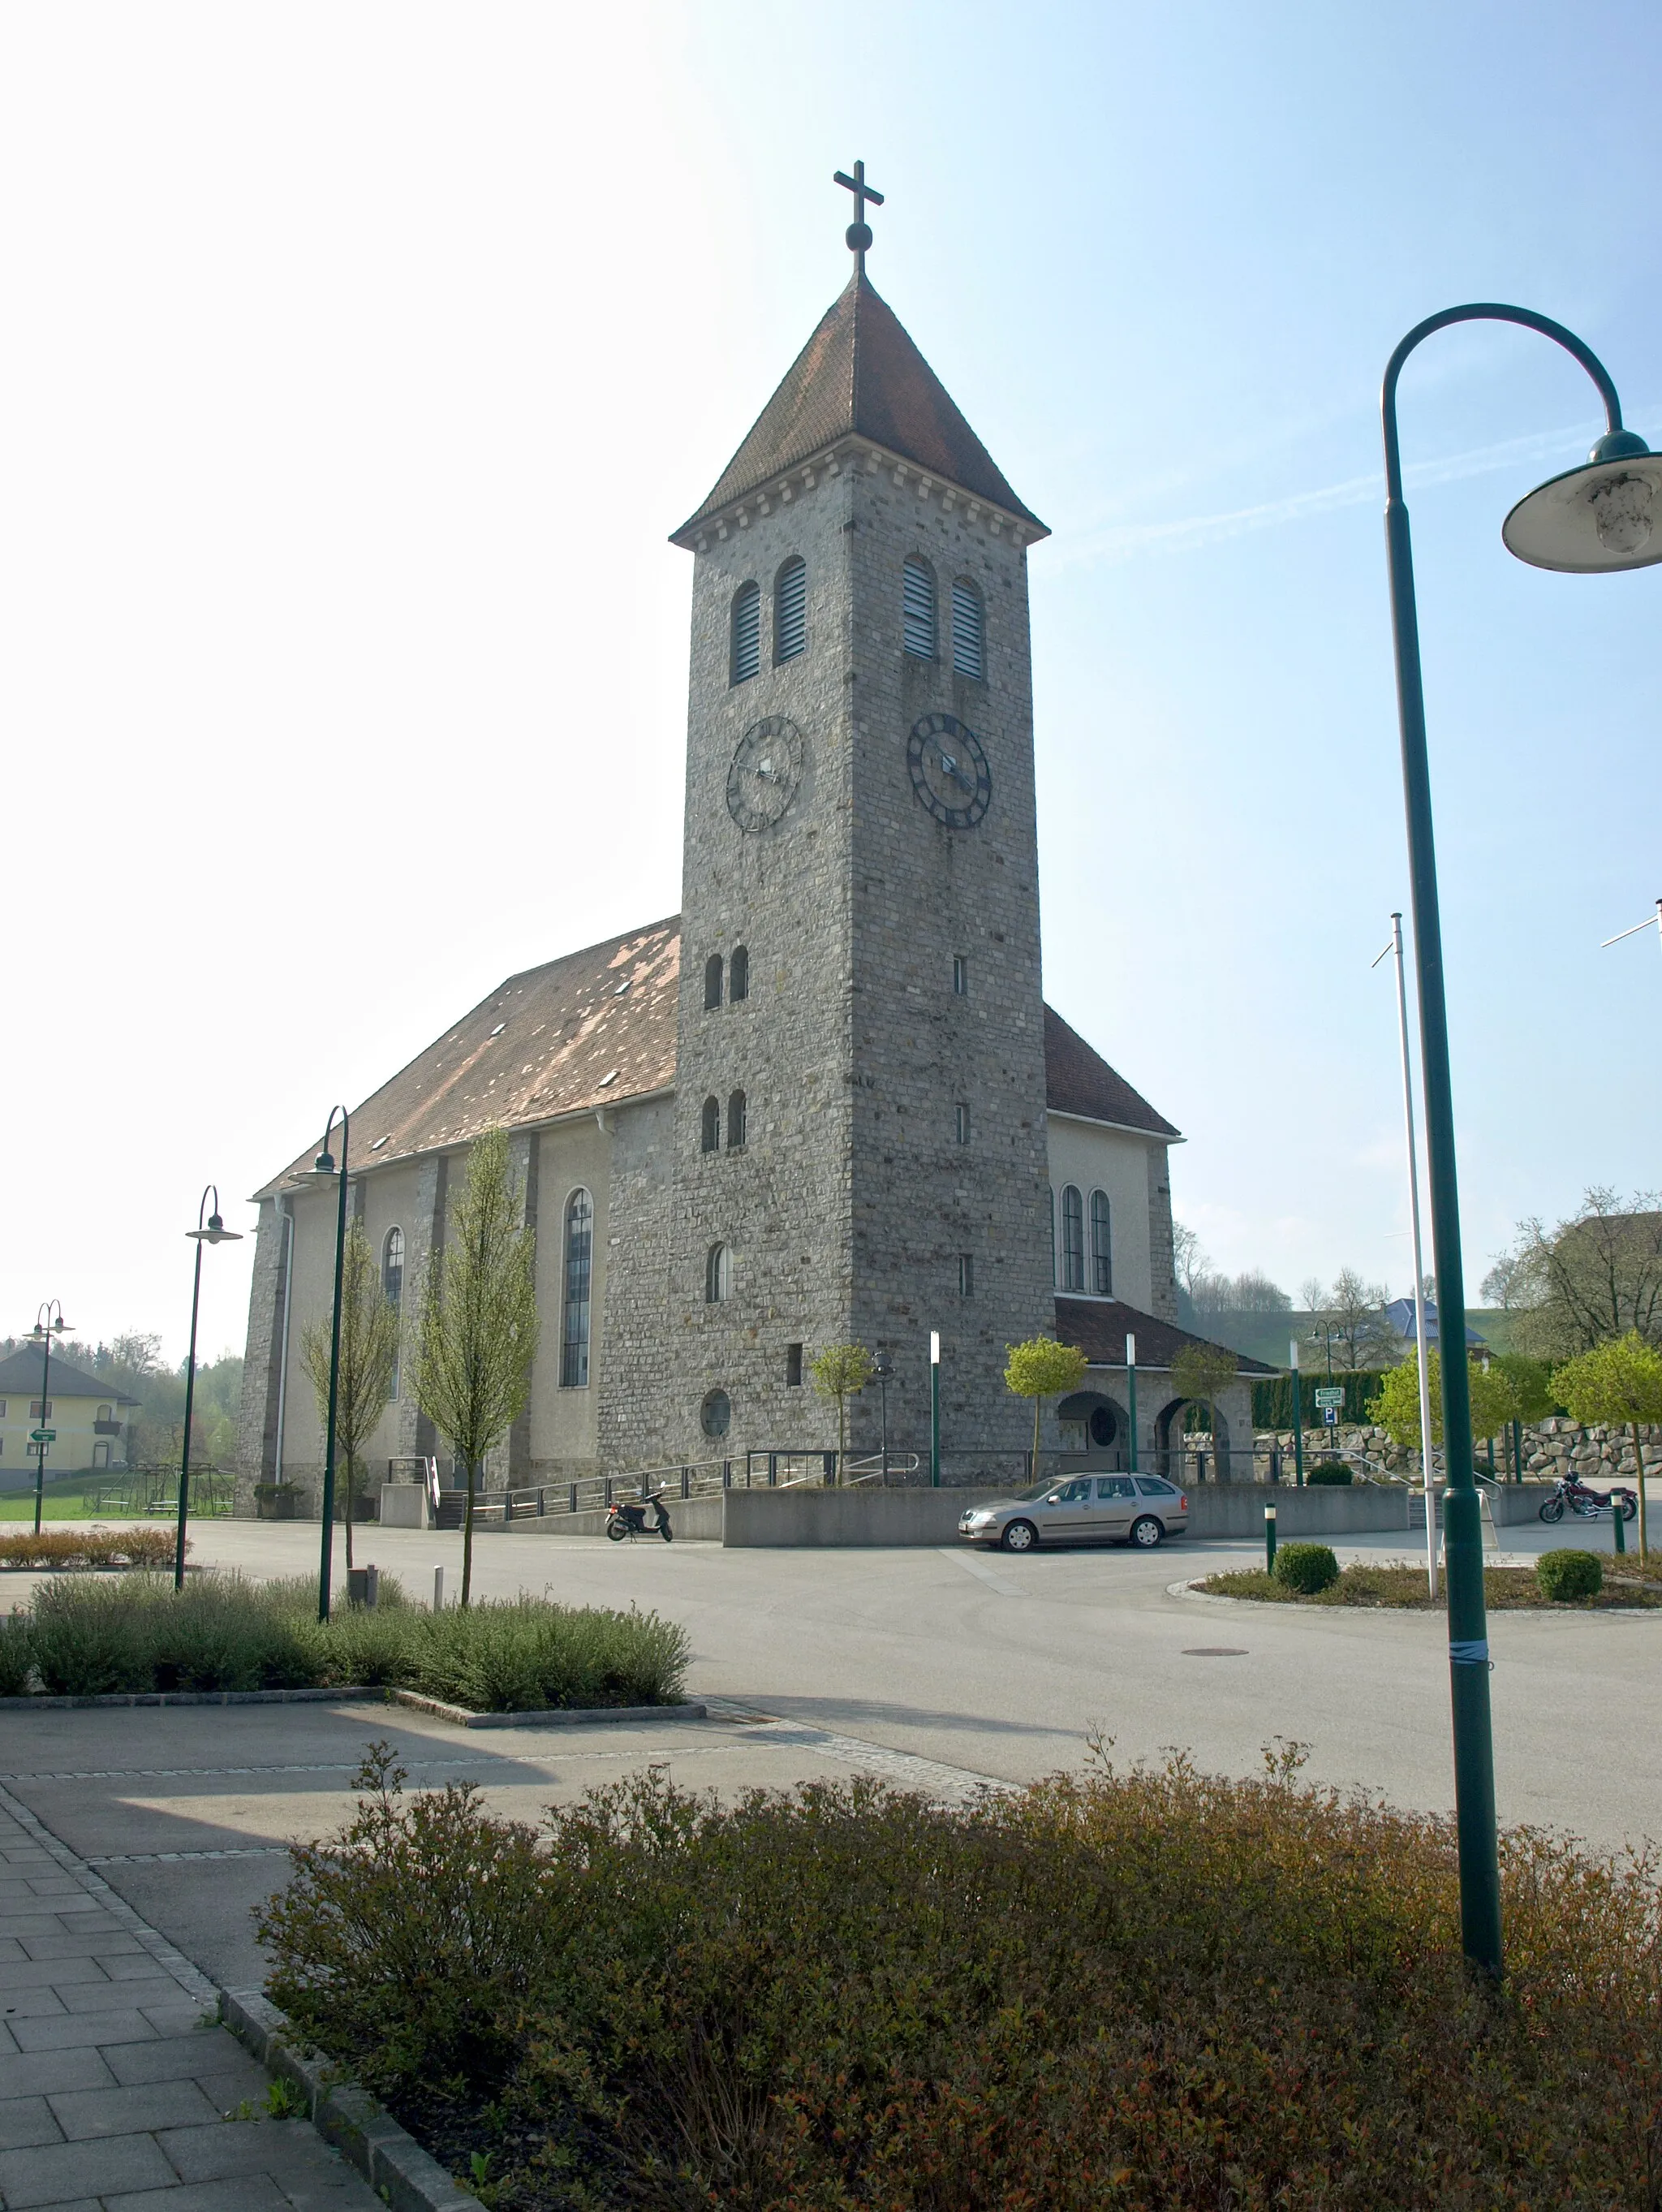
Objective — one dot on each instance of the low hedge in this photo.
(1126, 1990)
(1306, 1568)
(1327, 1476)
(1506, 1589)
(1567, 1575)
(90, 1547)
(86, 1637)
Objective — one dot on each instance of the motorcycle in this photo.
(1582, 1498)
(630, 1519)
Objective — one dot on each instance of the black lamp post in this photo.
(1602, 516)
(49, 1322)
(325, 1165)
(213, 1231)
(883, 1372)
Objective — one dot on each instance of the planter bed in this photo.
(133, 1636)
(1506, 1589)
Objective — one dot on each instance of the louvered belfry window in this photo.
(791, 611)
(968, 651)
(918, 609)
(747, 633)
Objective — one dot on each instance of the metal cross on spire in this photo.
(859, 231)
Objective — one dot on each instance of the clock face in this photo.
(950, 771)
(766, 771)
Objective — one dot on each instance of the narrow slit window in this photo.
(717, 1275)
(966, 1275)
(710, 1137)
(791, 611)
(713, 982)
(918, 609)
(736, 1121)
(969, 630)
(793, 1367)
(1101, 1246)
(961, 1114)
(747, 633)
(1073, 1240)
(960, 977)
(738, 975)
(580, 1269)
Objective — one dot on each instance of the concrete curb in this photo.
(358, 1694)
(549, 1717)
(364, 2132)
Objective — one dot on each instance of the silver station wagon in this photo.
(1086, 1508)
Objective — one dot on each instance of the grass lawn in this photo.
(66, 1499)
(1506, 1589)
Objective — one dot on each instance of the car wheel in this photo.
(1019, 1536)
(1146, 1531)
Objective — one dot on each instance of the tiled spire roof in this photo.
(860, 374)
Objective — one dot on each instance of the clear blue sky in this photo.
(363, 357)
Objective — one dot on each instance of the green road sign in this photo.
(42, 1435)
(1330, 1393)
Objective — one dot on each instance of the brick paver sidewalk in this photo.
(113, 2092)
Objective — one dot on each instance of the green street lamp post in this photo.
(49, 1322)
(1598, 517)
(883, 1372)
(323, 1165)
(1298, 1418)
(934, 1409)
(209, 1229)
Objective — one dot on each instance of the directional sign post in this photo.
(1330, 1415)
(42, 1435)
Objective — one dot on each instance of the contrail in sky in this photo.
(1121, 541)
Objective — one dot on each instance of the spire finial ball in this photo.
(858, 235)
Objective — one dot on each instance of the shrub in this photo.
(1306, 1568)
(16, 1656)
(1567, 1575)
(89, 1637)
(1331, 1476)
(89, 1547)
(1156, 1988)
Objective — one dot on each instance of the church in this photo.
(826, 1102)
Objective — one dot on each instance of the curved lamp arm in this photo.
(1486, 311)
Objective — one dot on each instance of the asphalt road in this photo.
(937, 1666)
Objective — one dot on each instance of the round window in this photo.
(716, 1413)
(1102, 1426)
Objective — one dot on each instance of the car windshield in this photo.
(1039, 1490)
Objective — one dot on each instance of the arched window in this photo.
(1101, 1249)
(791, 611)
(747, 633)
(969, 645)
(918, 609)
(717, 1275)
(579, 1274)
(710, 1139)
(1073, 1239)
(735, 1121)
(715, 1415)
(392, 1267)
(1050, 1206)
(713, 982)
(738, 975)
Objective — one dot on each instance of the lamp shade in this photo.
(214, 1233)
(1604, 516)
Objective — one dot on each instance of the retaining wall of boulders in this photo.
(1553, 1447)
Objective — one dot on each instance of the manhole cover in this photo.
(1214, 1652)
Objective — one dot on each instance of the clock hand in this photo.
(952, 769)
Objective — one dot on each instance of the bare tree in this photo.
(1592, 1278)
(477, 1327)
(1189, 1260)
(1357, 1316)
(369, 1354)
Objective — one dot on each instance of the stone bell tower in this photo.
(859, 1143)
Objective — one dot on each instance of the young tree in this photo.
(841, 1371)
(369, 1352)
(1356, 1312)
(476, 1333)
(1200, 1372)
(1039, 1369)
(1616, 1384)
(1396, 1407)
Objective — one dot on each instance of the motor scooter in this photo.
(630, 1519)
(1583, 1499)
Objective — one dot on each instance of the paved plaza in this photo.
(138, 1842)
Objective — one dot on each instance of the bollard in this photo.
(372, 1587)
(437, 1589)
(1269, 1540)
(1615, 1524)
